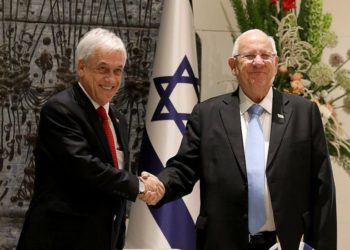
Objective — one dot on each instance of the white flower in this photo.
(325, 113)
(321, 74)
(305, 82)
(343, 78)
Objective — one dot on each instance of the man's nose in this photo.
(258, 59)
(111, 77)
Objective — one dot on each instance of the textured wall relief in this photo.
(37, 47)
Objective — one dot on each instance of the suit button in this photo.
(245, 216)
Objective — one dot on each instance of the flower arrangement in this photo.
(301, 35)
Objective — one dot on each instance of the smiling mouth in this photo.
(107, 87)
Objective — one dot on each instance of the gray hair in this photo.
(236, 43)
(98, 38)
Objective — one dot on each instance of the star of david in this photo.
(164, 94)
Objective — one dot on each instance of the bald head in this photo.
(252, 33)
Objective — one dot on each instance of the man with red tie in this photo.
(81, 155)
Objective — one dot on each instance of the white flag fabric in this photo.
(172, 96)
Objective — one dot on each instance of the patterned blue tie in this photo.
(255, 160)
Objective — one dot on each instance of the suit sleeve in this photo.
(323, 235)
(182, 170)
(64, 148)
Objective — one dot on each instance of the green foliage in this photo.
(240, 15)
(314, 25)
(255, 14)
(304, 13)
(301, 36)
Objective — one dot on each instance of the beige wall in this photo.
(341, 22)
(213, 22)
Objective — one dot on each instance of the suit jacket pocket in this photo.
(64, 209)
(63, 221)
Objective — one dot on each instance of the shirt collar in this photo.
(246, 102)
(96, 105)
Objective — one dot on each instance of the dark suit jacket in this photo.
(79, 198)
(298, 173)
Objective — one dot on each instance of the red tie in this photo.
(108, 132)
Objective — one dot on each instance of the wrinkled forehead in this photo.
(102, 54)
(255, 42)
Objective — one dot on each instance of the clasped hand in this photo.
(154, 189)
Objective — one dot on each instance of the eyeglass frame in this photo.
(264, 56)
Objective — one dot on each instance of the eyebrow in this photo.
(256, 52)
(102, 63)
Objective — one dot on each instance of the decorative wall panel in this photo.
(37, 47)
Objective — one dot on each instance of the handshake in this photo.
(154, 189)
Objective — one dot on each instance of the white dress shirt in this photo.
(120, 154)
(265, 120)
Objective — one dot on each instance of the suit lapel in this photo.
(281, 113)
(92, 119)
(121, 132)
(230, 115)
(118, 126)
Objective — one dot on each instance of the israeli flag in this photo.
(173, 93)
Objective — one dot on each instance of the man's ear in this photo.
(276, 63)
(81, 67)
(232, 63)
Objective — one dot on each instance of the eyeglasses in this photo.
(252, 57)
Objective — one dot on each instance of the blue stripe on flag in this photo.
(307, 247)
(173, 218)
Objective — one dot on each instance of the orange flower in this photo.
(297, 87)
(283, 69)
(331, 109)
(296, 76)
